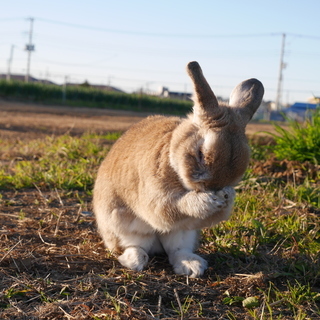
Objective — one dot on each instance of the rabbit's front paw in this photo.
(211, 202)
(225, 196)
(204, 204)
(134, 258)
(189, 264)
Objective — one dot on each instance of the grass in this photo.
(63, 162)
(301, 142)
(264, 263)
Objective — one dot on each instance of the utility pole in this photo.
(64, 89)
(109, 80)
(280, 77)
(29, 47)
(9, 63)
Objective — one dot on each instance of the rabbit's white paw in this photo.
(189, 264)
(203, 204)
(217, 200)
(226, 195)
(134, 258)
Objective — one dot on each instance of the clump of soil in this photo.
(286, 170)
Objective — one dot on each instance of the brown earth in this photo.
(21, 120)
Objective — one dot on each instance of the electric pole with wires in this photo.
(9, 63)
(29, 48)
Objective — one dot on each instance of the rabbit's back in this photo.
(134, 177)
(140, 153)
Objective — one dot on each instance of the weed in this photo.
(183, 307)
(22, 215)
(308, 192)
(301, 142)
(297, 297)
(115, 302)
(259, 151)
(11, 293)
(231, 300)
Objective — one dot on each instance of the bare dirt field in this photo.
(25, 121)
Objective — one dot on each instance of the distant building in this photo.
(262, 111)
(165, 93)
(300, 111)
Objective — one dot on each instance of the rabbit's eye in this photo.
(226, 196)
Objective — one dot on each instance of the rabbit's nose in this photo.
(219, 204)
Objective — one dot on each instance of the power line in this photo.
(303, 36)
(154, 34)
(173, 35)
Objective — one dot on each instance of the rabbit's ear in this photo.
(205, 102)
(246, 97)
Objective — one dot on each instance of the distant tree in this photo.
(85, 84)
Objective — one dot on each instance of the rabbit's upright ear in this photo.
(246, 97)
(205, 102)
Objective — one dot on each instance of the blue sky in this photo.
(134, 44)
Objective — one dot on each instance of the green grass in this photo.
(63, 162)
(300, 141)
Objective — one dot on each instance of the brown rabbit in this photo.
(167, 177)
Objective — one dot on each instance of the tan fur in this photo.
(162, 176)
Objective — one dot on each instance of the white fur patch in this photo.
(209, 140)
(139, 226)
(144, 241)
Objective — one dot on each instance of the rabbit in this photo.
(166, 178)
